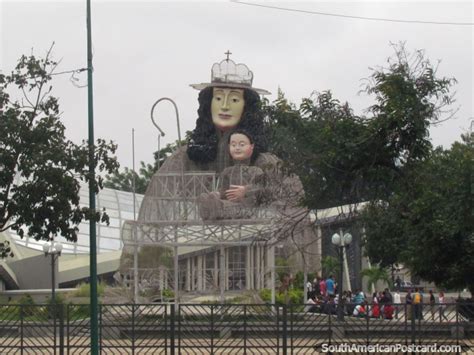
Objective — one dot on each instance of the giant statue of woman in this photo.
(227, 102)
(197, 190)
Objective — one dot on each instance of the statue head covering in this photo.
(228, 74)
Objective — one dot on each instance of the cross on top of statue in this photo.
(228, 53)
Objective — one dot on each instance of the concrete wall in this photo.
(34, 272)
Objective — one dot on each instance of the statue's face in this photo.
(227, 107)
(240, 147)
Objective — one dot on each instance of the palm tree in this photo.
(330, 266)
(375, 274)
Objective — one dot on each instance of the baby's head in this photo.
(240, 145)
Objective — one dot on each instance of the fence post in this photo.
(405, 314)
(285, 330)
(245, 329)
(53, 310)
(21, 329)
(133, 328)
(172, 324)
(457, 323)
(101, 328)
(68, 306)
(212, 329)
(413, 324)
(368, 326)
(330, 328)
(61, 329)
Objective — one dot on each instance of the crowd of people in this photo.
(323, 297)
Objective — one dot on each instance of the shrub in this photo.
(294, 296)
(55, 310)
(298, 282)
(79, 311)
(84, 290)
(168, 294)
(28, 305)
(266, 295)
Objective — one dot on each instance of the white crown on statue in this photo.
(229, 74)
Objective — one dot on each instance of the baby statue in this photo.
(239, 186)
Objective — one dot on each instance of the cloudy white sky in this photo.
(147, 50)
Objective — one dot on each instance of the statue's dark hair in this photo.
(240, 131)
(202, 145)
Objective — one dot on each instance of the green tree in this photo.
(40, 169)
(151, 256)
(432, 216)
(385, 240)
(282, 268)
(374, 275)
(342, 158)
(315, 143)
(330, 266)
(440, 223)
(410, 97)
(5, 250)
(123, 180)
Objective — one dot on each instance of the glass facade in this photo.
(118, 206)
(236, 268)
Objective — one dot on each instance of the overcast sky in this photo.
(147, 50)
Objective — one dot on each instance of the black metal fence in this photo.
(232, 329)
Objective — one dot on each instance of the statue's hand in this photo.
(236, 193)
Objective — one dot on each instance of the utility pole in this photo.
(92, 224)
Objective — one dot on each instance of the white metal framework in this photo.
(169, 217)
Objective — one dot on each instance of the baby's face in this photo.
(240, 147)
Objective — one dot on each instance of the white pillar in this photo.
(193, 273)
(161, 281)
(271, 265)
(188, 274)
(252, 267)
(204, 273)
(262, 266)
(216, 269)
(199, 273)
(226, 268)
(257, 267)
(222, 273)
(248, 269)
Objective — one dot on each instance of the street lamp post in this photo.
(341, 241)
(54, 249)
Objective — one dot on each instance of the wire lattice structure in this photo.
(170, 217)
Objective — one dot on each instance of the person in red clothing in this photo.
(322, 287)
(375, 312)
(388, 311)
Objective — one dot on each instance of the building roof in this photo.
(118, 206)
(8, 276)
(74, 261)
